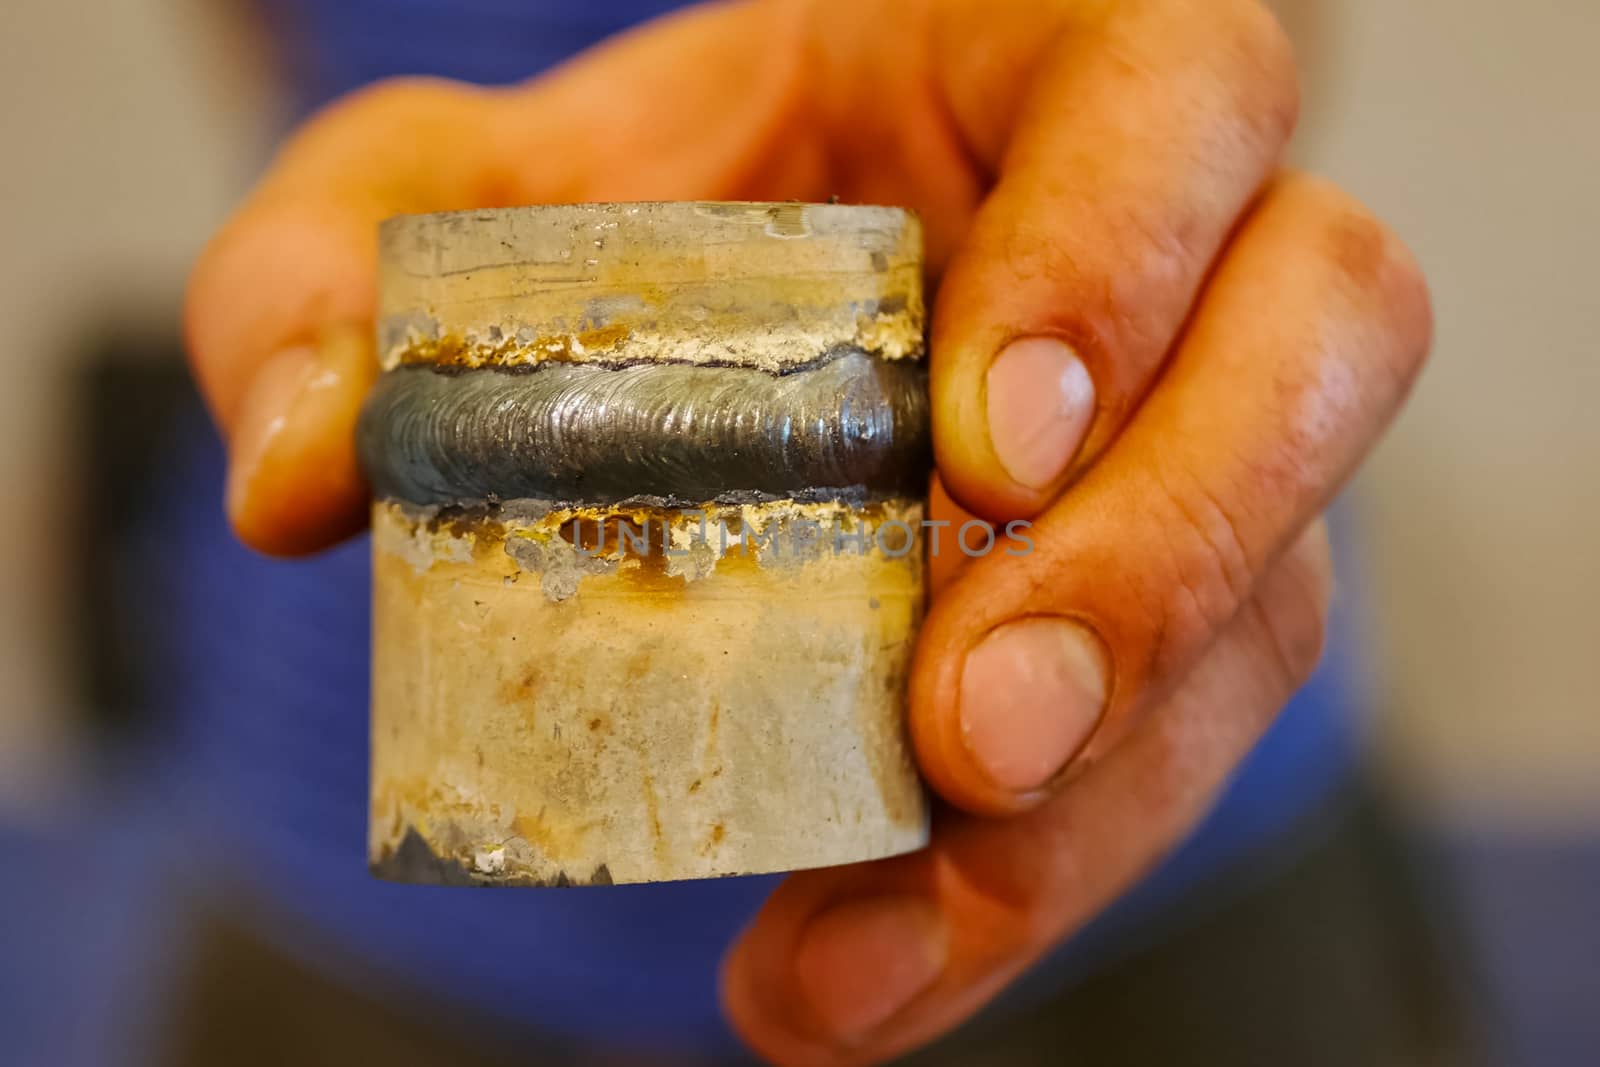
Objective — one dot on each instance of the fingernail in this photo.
(289, 456)
(862, 961)
(264, 418)
(1032, 692)
(1040, 405)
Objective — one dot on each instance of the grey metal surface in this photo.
(848, 424)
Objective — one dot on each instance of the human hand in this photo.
(1146, 339)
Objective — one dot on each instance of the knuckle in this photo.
(1245, 39)
(1355, 242)
(1258, 31)
(1378, 272)
(1267, 54)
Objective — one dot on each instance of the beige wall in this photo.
(1473, 126)
(1470, 123)
(120, 155)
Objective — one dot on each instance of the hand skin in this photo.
(1206, 346)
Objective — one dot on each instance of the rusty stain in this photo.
(713, 839)
(654, 810)
(519, 689)
(629, 542)
(604, 337)
(557, 835)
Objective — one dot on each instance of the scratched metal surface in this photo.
(848, 424)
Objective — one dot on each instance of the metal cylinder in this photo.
(647, 542)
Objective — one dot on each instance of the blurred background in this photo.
(132, 126)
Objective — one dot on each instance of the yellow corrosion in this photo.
(646, 542)
(769, 286)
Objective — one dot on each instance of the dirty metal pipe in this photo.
(647, 550)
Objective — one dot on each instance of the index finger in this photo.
(299, 255)
(279, 304)
(282, 300)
